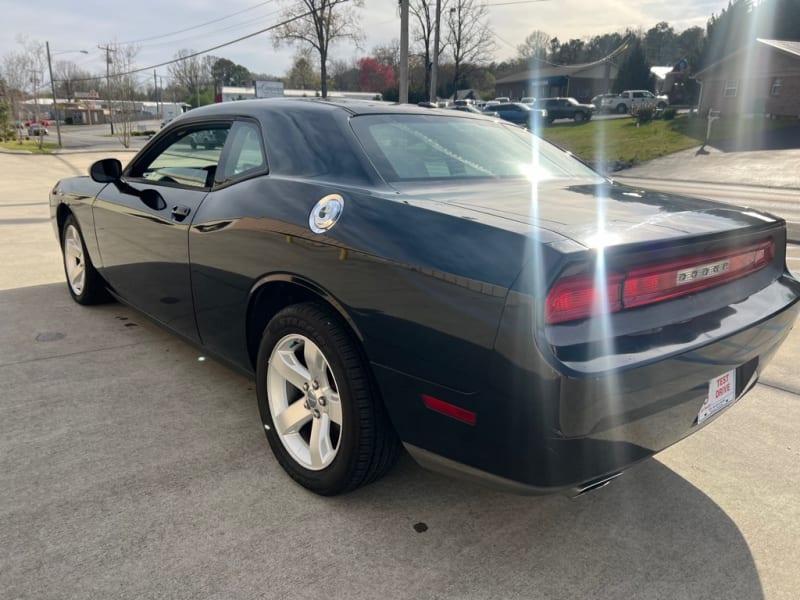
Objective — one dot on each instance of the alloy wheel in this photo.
(74, 259)
(304, 402)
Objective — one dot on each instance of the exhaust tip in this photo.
(594, 485)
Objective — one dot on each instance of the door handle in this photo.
(179, 213)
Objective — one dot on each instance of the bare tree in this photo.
(15, 75)
(70, 78)
(123, 89)
(471, 41)
(535, 46)
(424, 15)
(389, 53)
(187, 72)
(24, 74)
(318, 23)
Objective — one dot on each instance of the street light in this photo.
(53, 86)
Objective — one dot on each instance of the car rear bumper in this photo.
(541, 431)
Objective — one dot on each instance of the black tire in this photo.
(367, 445)
(661, 106)
(92, 288)
(579, 117)
(621, 109)
(550, 120)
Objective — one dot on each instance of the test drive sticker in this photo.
(721, 393)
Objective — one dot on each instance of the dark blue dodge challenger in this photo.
(439, 281)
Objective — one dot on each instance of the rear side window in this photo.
(245, 152)
(419, 147)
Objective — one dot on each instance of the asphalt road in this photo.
(130, 467)
(93, 137)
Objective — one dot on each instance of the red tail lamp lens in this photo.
(582, 296)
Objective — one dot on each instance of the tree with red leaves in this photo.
(375, 76)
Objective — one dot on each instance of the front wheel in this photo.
(621, 109)
(84, 282)
(579, 117)
(321, 413)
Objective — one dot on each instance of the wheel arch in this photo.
(274, 292)
(62, 213)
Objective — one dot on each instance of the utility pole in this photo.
(53, 88)
(435, 65)
(403, 52)
(155, 90)
(36, 110)
(108, 85)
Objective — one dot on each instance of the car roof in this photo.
(257, 108)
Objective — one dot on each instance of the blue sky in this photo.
(71, 25)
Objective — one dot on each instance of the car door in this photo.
(142, 222)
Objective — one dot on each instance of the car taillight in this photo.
(581, 296)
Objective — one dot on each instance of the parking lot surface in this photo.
(133, 467)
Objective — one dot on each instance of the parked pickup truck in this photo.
(631, 98)
(565, 108)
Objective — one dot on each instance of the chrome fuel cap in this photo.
(326, 213)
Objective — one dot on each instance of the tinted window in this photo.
(189, 159)
(417, 147)
(246, 153)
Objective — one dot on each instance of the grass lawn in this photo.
(621, 140)
(29, 146)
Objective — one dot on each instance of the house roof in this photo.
(548, 70)
(786, 46)
(465, 94)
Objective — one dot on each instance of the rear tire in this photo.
(320, 410)
(83, 281)
(621, 109)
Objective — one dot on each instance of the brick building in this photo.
(762, 78)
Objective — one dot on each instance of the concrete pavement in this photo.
(130, 468)
(762, 168)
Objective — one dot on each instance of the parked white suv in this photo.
(631, 98)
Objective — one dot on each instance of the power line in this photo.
(211, 22)
(207, 50)
(234, 26)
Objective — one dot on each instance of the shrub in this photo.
(643, 113)
(669, 114)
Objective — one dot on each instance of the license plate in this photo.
(721, 393)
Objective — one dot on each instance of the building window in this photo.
(777, 83)
(731, 88)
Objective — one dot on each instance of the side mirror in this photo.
(106, 170)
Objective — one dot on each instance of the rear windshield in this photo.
(422, 147)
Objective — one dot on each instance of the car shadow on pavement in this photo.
(132, 467)
(649, 534)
